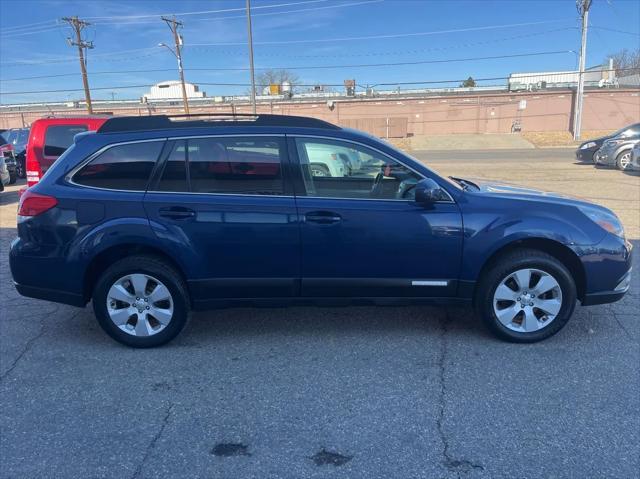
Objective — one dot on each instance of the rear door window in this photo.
(230, 165)
(60, 137)
(122, 167)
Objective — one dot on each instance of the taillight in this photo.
(34, 172)
(33, 204)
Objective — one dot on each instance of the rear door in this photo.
(225, 207)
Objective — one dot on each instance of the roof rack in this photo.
(205, 120)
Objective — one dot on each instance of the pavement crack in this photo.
(27, 347)
(152, 443)
(626, 331)
(451, 463)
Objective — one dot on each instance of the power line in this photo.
(387, 36)
(387, 53)
(120, 53)
(203, 12)
(33, 32)
(636, 34)
(124, 55)
(311, 67)
(370, 84)
(28, 25)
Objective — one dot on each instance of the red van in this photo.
(50, 137)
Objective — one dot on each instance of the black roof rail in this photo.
(204, 120)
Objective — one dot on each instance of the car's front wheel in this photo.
(623, 160)
(141, 301)
(526, 296)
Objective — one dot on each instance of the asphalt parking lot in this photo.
(359, 392)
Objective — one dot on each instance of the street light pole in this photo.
(583, 9)
(173, 25)
(253, 78)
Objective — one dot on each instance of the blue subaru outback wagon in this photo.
(152, 217)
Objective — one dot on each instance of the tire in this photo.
(13, 177)
(155, 271)
(623, 160)
(319, 170)
(560, 300)
(21, 172)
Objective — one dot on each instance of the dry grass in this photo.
(543, 139)
(402, 143)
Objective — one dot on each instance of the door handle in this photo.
(322, 217)
(177, 213)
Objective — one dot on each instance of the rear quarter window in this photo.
(121, 167)
(60, 137)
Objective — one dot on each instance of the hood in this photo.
(503, 190)
(597, 141)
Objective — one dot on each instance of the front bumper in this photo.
(607, 268)
(585, 156)
(604, 158)
(604, 297)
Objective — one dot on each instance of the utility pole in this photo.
(78, 25)
(177, 39)
(583, 10)
(253, 77)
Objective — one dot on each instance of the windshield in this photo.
(449, 180)
(629, 130)
(2, 140)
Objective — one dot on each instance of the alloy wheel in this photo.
(140, 305)
(625, 160)
(527, 300)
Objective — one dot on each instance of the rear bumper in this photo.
(35, 272)
(53, 295)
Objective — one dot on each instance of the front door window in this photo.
(338, 169)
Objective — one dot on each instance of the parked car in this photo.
(19, 137)
(146, 219)
(587, 150)
(6, 151)
(325, 161)
(616, 152)
(50, 137)
(635, 157)
(4, 174)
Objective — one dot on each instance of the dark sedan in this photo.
(586, 150)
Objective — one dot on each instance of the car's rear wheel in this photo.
(526, 296)
(141, 301)
(12, 177)
(623, 160)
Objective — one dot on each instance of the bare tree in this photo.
(276, 77)
(626, 62)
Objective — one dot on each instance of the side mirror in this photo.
(428, 191)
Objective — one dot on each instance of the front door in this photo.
(221, 204)
(364, 236)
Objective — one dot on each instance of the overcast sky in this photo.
(296, 34)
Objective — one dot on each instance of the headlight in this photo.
(591, 144)
(613, 142)
(606, 220)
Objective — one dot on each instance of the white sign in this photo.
(522, 105)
